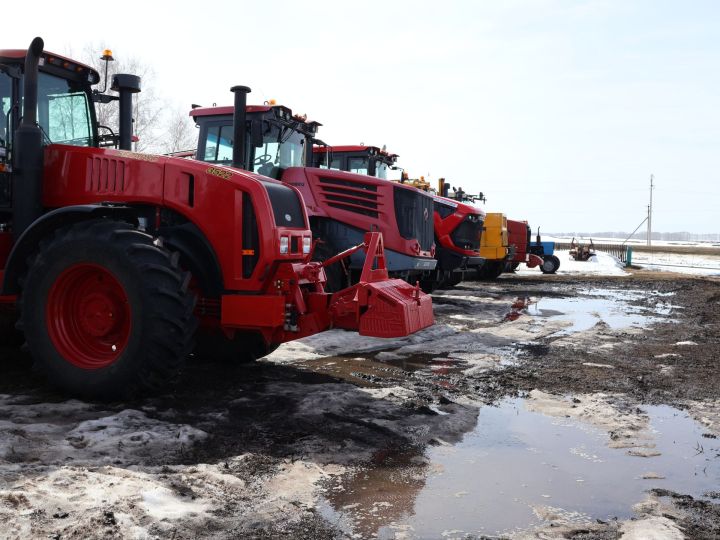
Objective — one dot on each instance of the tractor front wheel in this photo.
(214, 346)
(106, 310)
(491, 270)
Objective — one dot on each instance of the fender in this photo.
(196, 255)
(44, 226)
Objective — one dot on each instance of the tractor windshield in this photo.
(359, 165)
(63, 111)
(282, 147)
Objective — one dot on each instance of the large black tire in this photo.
(452, 279)
(9, 335)
(491, 270)
(106, 311)
(550, 264)
(337, 278)
(214, 346)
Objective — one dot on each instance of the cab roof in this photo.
(225, 110)
(354, 148)
(50, 59)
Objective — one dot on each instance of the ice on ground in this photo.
(341, 342)
(703, 265)
(628, 429)
(73, 431)
(651, 528)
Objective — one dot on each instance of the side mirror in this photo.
(256, 133)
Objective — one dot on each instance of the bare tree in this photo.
(180, 131)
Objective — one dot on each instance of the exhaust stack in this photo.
(28, 149)
(126, 86)
(239, 127)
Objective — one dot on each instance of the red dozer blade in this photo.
(377, 305)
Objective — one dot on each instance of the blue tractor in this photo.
(546, 251)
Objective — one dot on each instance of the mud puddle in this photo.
(521, 469)
(617, 309)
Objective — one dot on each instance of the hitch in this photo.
(377, 305)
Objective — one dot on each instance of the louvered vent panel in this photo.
(107, 175)
(350, 195)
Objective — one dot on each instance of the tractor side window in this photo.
(63, 111)
(358, 165)
(5, 129)
(335, 162)
(5, 101)
(381, 169)
(218, 144)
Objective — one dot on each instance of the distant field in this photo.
(657, 247)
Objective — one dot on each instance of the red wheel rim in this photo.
(88, 316)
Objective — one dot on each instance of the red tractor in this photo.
(533, 254)
(112, 256)
(457, 225)
(342, 206)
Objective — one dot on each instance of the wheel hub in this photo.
(88, 316)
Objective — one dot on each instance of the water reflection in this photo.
(519, 469)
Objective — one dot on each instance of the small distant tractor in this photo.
(533, 254)
(581, 252)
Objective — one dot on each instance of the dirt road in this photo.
(536, 407)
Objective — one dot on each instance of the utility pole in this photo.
(649, 225)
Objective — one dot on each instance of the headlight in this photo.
(284, 245)
(307, 243)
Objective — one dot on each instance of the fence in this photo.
(620, 251)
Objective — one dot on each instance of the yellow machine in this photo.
(419, 183)
(494, 246)
(494, 241)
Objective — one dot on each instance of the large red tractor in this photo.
(457, 225)
(112, 256)
(342, 206)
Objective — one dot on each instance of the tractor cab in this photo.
(276, 139)
(65, 114)
(342, 205)
(359, 159)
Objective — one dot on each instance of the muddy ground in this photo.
(346, 437)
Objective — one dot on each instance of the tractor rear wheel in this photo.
(106, 310)
(9, 335)
(550, 264)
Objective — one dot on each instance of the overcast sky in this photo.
(559, 111)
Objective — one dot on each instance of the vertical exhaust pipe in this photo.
(239, 127)
(126, 86)
(28, 149)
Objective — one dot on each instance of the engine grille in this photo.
(350, 195)
(467, 234)
(414, 214)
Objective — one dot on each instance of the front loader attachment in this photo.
(377, 305)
